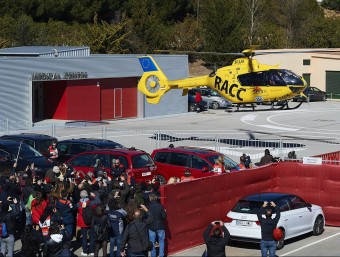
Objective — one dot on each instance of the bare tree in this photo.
(254, 8)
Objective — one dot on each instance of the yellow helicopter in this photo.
(246, 81)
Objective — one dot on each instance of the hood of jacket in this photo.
(57, 238)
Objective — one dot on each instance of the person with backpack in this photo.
(85, 220)
(101, 230)
(66, 209)
(116, 217)
(8, 214)
(136, 234)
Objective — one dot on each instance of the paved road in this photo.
(326, 244)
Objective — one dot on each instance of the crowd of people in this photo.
(100, 209)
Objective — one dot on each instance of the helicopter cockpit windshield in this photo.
(291, 78)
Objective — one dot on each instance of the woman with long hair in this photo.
(101, 229)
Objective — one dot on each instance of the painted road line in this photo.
(251, 117)
(278, 128)
(303, 247)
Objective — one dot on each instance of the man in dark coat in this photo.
(216, 237)
(268, 225)
(157, 226)
(66, 209)
(136, 234)
(117, 169)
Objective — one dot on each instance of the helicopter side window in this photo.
(274, 79)
(252, 79)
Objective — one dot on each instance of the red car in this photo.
(138, 164)
(173, 161)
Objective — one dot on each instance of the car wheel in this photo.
(215, 105)
(161, 179)
(192, 108)
(319, 225)
(280, 244)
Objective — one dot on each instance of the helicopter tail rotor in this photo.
(153, 84)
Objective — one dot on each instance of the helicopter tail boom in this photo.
(154, 84)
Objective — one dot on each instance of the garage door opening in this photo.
(86, 99)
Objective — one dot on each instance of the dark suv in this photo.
(10, 149)
(137, 163)
(172, 162)
(39, 142)
(72, 147)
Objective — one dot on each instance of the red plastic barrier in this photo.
(333, 157)
(192, 205)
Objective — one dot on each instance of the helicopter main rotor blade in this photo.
(195, 52)
(297, 51)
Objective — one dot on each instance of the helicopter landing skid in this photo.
(275, 106)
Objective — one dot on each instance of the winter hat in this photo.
(56, 169)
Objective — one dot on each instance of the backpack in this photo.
(101, 229)
(3, 230)
(88, 215)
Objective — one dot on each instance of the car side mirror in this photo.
(205, 169)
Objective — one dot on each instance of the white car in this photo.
(297, 217)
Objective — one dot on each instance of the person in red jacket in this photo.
(198, 101)
(38, 206)
(85, 229)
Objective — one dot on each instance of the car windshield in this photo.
(249, 207)
(111, 145)
(142, 160)
(228, 163)
(45, 144)
(26, 152)
(214, 93)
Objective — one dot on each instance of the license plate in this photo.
(244, 223)
(146, 174)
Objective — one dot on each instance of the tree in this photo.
(224, 29)
(105, 38)
(24, 31)
(254, 11)
(185, 36)
(331, 4)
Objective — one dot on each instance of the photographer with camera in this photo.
(216, 237)
(268, 225)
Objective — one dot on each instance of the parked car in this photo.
(173, 161)
(72, 147)
(297, 217)
(39, 142)
(10, 150)
(195, 107)
(313, 94)
(137, 163)
(213, 98)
